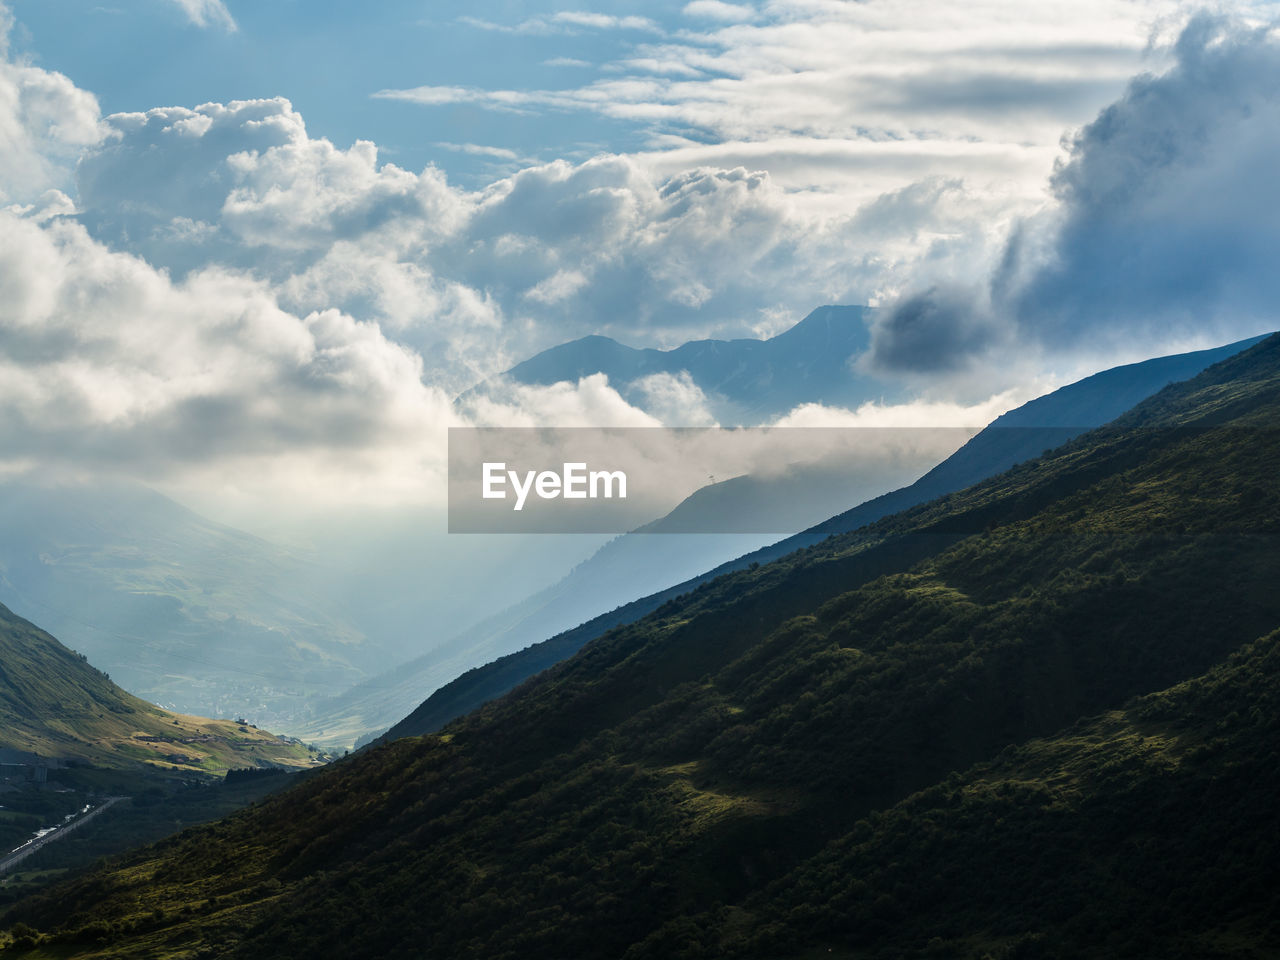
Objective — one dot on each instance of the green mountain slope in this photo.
(1016, 436)
(1148, 831)
(53, 703)
(767, 766)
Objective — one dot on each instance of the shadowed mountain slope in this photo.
(1016, 436)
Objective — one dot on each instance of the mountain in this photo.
(640, 563)
(1032, 718)
(202, 617)
(54, 704)
(1012, 438)
(746, 381)
(181, 610)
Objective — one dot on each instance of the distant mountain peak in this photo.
(746, 381)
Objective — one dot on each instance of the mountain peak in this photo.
(840, 324)
(746, 381)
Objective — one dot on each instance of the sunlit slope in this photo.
(706, 781)
(53, 703)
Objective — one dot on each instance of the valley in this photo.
(750, 768)
(694, 480)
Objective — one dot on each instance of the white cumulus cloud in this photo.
(45, 124)
(108, 365)
(477, 280)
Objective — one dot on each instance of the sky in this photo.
(254, 249)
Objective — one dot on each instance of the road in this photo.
(11, 860)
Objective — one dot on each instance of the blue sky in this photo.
(336, 61)
(258, 248)
(329, 56)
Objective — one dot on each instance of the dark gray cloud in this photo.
(1171, 202)
(936, 331)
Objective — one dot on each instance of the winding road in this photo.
(15, 857)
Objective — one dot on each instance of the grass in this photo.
(55, 704)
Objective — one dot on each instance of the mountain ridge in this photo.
(657, 794)
(746, 381)
(1015, 436)
(55, 704)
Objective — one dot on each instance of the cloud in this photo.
(110, 366)
(567, 21)
(656, 65)
(616, 253)
(45, 123)
(1003, 74)
(243, 186)
(1170, 208)
(718, 10)
(557, 287)
(938, 330)
(590, 402)
(844, 104)
(479, 150)
(498, 160)
(1165, 227)
(226, 300)
(208, 13)
(918, 414)
(230, 293)
(474, 280)
(602, 21)
(250, 167)
(673, 398)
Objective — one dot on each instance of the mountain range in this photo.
(746, 382)
(211, 620)
(1035, 717)
(1012, 438)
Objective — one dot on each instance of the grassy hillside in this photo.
(1148, 831)
(52, 702)
(878, 746)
